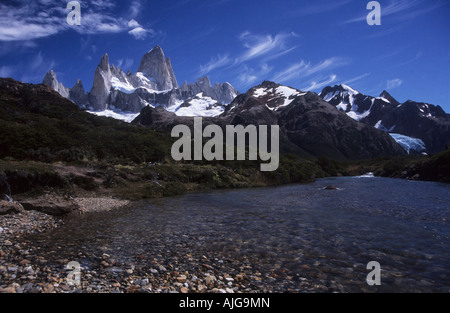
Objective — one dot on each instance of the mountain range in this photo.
(154, 84)
(309, 126)
(340, 122)
(417, 126)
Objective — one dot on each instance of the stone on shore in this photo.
(7, 208)
(51, 205)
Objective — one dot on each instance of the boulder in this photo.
(7, 207)
(51, 205)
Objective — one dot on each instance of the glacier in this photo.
(409, 143)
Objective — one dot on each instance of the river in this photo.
(294, 238)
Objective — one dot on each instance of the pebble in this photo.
(182, 278)
(210, 279)
(24, 269)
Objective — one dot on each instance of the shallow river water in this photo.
(296, 237)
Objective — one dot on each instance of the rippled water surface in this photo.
(300, 232)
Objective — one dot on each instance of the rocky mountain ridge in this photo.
(425, 125)
(309, 126)
(154, 84)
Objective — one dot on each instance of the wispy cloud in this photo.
(125, 64)
(393, 83)
(216, 62)
(135, 9)
(402, 9)
(391, 53)
(267, 46)
(314, 85)
(303, 69)
(249, 76)
(355, 79)
(36, 67)
(251, 63)
(29, 20)
(410, 60)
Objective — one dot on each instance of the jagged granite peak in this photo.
(104, 63)
(172, 74)
(98, 96)
(51, 81)
(153, 85)
(78, 95)
(156, 67)
(225, 92)
(222, 92)
(203, 84)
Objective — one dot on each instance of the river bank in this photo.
(24, 269)
(273, 240)
(84, 191)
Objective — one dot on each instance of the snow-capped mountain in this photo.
(419, 127)
(123, 96)
(199, 105)
(309, 126)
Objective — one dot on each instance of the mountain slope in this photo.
(39, 124)
(315, 126)
(419, 121)
(309, 126)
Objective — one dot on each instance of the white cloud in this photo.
(125, 64)
(28, 20)
(249, 76)
(214, 63)
(264, 46)
(303, 69)
(314, 85)
(135, 9)
(133, 23)
(394, 83)
(355, 79)
(138, 33)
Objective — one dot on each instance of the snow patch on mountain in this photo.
(288, 94)
(200, 105)
(358, 116)
(116, 114)
(124, 87)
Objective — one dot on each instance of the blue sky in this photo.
(304, 44)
